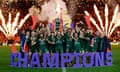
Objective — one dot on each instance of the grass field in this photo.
(5, 52)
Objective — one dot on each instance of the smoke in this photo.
(50, 11)
(33, 10)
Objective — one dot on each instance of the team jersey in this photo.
(51, 40)
(42, 44)
(100, 45)
(94, 43)
(34, 44)
(87, 42)
(59, 44)
(69, 44)
(77, 45)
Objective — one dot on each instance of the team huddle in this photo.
(79, 40)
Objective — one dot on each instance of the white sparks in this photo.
(23, 21)
(11, 28)
(113, 18)
(93, 21)
(15, 22)
(3, 22)
(107, 28)
(114, 27)
(106, 18)
(98, 16)
(1, 29)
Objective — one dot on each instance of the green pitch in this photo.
(5, 52)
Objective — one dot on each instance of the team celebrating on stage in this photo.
(70, 40)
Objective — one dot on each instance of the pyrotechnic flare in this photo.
(11, 28)
(107, 28)
(94, 22)
(98, 16)
(106, 18)
(113, 18)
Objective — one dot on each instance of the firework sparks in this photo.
(98, 16)
(114, 27)
(15, 22)
(94, 22)
(11, 28)
(107, 28)
(113, 18)
(9, 23)
(106, 18)
(3, 22)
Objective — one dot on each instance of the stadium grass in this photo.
(5, 52)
